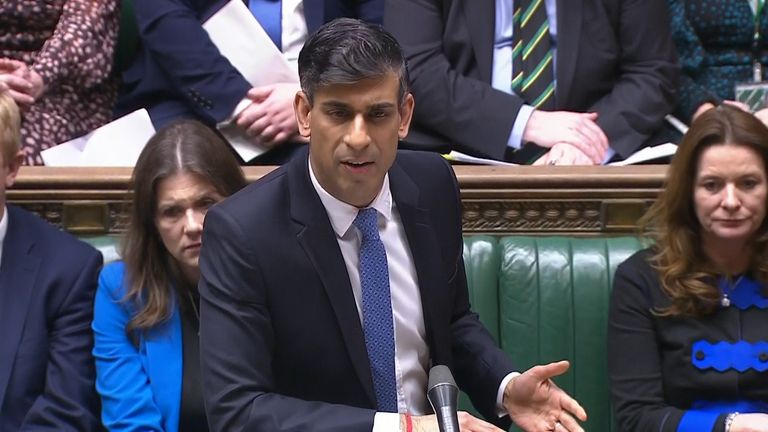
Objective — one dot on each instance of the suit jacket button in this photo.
(700, 355)
(763, 357)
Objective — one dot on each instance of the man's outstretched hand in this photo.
(536, 404)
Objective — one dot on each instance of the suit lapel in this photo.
(568, 41)
(316, 236)
(425, 251)
(481, 18)
(18, 271)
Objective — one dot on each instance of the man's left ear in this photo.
(13, 168)
(406, 113)
(303, 110)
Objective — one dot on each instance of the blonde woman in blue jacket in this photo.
(146, 307)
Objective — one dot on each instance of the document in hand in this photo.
(117, 143)
(241, 39)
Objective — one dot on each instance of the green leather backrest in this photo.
(551, 303)
(543, 299)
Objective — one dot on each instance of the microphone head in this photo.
(440, 375)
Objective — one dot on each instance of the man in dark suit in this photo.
(311, 323)
(178, 72)
(47, 283)
(615, 76)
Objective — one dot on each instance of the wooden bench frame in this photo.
(544, 200)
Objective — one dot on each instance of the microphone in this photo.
(443, 395)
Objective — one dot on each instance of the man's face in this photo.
(354, 130)
(8, 171)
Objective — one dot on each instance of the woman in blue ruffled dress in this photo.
(688, 325)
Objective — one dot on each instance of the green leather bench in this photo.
(543, 299)
(546, 299)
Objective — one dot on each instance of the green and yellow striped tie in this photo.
(533, 77)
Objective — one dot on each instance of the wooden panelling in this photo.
(497, 200)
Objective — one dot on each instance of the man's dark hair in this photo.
(346, 51)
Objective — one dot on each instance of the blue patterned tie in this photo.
(269, 13)
(377, 310)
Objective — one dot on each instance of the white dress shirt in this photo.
(294, 31)
(411, 349)
(501, 77)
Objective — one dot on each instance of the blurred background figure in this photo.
(719, 43)
(686, 335)
(56, 61)
(47, 282)
(572, 82)
(178, 72)
(146, 309)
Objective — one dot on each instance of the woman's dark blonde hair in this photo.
(687, 275)
(10, 128)
(184, 146)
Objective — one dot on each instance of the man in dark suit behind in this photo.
(289, 339)
(179, 73)
(47, 283)
(614, 70)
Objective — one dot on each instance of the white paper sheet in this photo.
(456, 156)
(643, 155)
(117, 143)
(241, 39)
(648, 153)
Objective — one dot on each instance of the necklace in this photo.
(725, 301)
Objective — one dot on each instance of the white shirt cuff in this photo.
(500, 410)
(386, 422)
(243, 104)
(516, 137)
(608, 155)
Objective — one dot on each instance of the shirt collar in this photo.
(342, 214)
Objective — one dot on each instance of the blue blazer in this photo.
(179, 72)
(140, 387)
(47, 280)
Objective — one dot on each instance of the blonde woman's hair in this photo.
(10, 127)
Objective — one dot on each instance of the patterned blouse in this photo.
(70, 43)
(714, 42)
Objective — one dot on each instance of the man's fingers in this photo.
(585, 147)
(21, 98)
(568, 423)
(596, 135)
(550, 370)
(543, 159)
(469, 423)
(571, 406)
(16, 83)
(10, 65)
(259, 93)
(576, 156)
(256, 129)
(249, 115)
